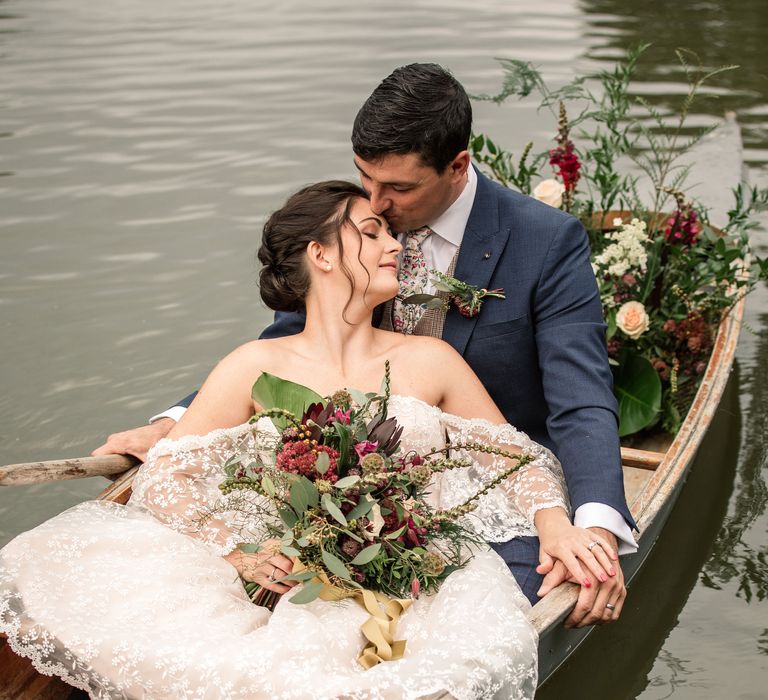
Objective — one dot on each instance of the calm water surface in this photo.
(141, 145)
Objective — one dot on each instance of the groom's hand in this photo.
(592, 605)
(136, 442)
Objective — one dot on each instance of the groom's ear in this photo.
(459, 165)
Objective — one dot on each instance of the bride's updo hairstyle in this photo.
(315, 213)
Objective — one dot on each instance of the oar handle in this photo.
(61, 469)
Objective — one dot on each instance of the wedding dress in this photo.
(136, 601)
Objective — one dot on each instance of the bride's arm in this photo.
(538, 489)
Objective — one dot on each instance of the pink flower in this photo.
(342, 416)
(365, 448)
(415, 587)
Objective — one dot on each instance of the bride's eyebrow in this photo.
(370, 218)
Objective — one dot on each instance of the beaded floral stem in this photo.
(470, 504)
(276, 413)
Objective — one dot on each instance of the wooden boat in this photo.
(653, 476)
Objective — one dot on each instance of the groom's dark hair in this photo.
(420, 108)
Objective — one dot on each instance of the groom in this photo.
(540, 352)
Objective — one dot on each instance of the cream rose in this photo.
(550, 192)
(632, 319)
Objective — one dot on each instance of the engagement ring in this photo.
(592, 544)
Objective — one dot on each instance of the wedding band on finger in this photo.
(610, 606)
(593, 544)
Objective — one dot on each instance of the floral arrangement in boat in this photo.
(666, 276)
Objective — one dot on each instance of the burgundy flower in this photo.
(683, 226)
(300, 457)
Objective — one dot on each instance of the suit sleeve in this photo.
(576, 376)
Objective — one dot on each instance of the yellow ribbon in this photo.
(379, 628)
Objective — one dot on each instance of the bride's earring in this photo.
(328, 267)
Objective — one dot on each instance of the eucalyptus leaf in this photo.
(290, 551)
(288, 516)
(268, 486)
(351, 534)
(362, 508)
(249, 547)
(347, 481)
(394, 535)
(441, 286)
(333, 509)
(303, 495)
(302, 576)
(358, 397)
(307, 594)
(638, 389)
(322, 463)
(367, 555)
(335, 565)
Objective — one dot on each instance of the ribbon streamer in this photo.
(379, 628)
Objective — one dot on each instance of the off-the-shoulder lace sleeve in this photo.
(508, 510)
(179, 484)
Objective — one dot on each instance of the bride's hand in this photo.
(264, 567)
(575, 547)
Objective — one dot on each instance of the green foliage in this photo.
(690, 274)
(638, 389)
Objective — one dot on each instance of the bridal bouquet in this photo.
(666, 276)
(346, 503)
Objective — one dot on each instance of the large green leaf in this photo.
(638, 389)
(270, 391)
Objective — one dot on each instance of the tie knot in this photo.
(415, 239)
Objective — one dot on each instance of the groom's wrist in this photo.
(589, 515)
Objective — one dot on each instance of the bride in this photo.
(142, 601)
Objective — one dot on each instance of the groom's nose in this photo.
(379, 203)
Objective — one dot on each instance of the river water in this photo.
(142, 144)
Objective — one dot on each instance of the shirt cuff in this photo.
(602, 515)
(174, 413)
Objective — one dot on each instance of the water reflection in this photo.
(720, 33)
(733, 556)
(628, 652)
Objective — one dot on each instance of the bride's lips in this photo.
(391, 266)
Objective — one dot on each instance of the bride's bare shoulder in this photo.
(427, 350)
(254, 354)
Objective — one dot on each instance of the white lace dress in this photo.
(136, 602)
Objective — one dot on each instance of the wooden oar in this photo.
(111, 465)
(61, 469)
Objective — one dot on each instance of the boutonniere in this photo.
(467, 298)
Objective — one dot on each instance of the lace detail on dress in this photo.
(508, 510)
(179, 483)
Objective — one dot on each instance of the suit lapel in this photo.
(481, 248)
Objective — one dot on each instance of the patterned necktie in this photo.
(414, 278)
